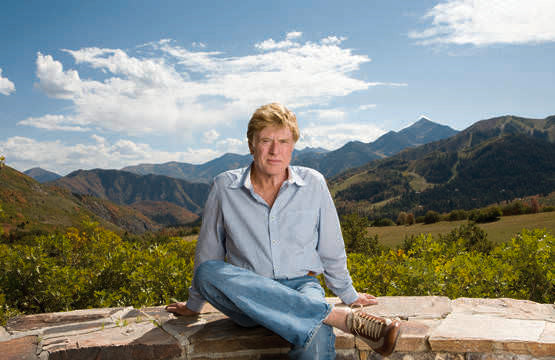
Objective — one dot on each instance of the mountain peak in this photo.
(41, 175)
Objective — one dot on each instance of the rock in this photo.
(508, 308)
(405, 307)
(461, 332)
(32, 322)
(135, 340)
(224, 336)
(23, 348)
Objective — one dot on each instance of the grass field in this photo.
(498, 231)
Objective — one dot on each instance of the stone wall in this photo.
(432, 328)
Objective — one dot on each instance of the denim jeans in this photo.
(292, 308)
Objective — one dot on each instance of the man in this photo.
(277, 227)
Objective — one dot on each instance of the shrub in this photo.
(431, 217)
(456, 215)
(490, 214)
(383, 222)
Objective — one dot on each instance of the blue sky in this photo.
(114, 83)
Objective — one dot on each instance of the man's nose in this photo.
(273, 147)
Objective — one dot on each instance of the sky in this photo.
(108, 84)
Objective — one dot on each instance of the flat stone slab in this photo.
(38, 321)
(144, 340)
(224, 336)
(461, 332)
(23, 348)
(508, 308)
(407, 307)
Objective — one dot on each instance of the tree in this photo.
(402, 218)
(534, 205)
(353, 227)
(2, 161)
(410, 219)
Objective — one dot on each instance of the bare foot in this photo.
(180, 308)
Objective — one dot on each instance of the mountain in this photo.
(356, 153)
(329, 163)
(493, 160)
(42, 175)
(421, 132)
(29, 205)
(123, 187)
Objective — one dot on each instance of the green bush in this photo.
(431, 217)
(92, 267)
(456, 215)
(383, 222)
(461, 264)
(489, 214)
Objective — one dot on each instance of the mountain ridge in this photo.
(415, 178)
(329, 163)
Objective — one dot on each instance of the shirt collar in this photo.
(245, 178)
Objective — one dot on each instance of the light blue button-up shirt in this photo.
(298, 234)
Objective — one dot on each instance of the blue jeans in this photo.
(292, 308)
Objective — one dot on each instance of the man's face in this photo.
(271, 149)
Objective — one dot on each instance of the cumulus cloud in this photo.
(334, 136)
(167, 89)
(6, 86)
(24, 153)
(210, 136)
(367, 107)
(485, 22)
(54, 122)
(326, 115)
(271, 44)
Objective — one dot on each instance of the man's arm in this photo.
(210, 246)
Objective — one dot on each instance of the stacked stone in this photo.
(432, 328)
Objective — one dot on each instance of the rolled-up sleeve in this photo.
(331, 250)
(211, 241)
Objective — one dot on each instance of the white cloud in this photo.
(174, 90)
(485, 22)
(24, 153)
(367, 107)
(333, 40)
(53, 122)
(232, 145)
(271, 44)
(198, 44)
(6, 86)
(326, 115)
(334, 136)
(293, 35)
(210, 136)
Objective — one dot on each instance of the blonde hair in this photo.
(273, 114)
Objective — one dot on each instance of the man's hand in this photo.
(365, 300)
(180, 308)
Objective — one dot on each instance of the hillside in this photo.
(28, 205)
(493, 160)
(164, 213)
(123, 187)
(329, 163)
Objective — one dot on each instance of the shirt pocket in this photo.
(299, 227)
